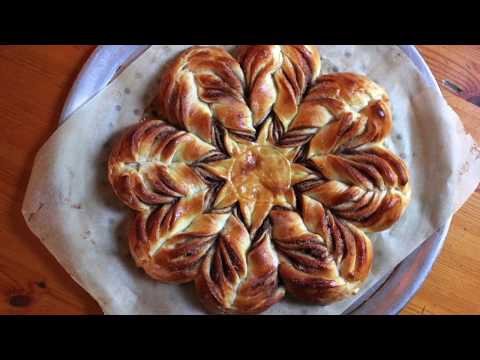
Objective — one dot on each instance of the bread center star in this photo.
(259, 173)
(257, 176)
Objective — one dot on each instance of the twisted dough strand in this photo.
(368, 187)
(149, 165)
(340, 110)
(312, 268)
(277, 77)
(171, 242)
(201, 86)
(238, 277)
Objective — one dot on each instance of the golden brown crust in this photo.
(341, 111)
(148, 165)
(249, 205)
(277, 77)
(175, 258)
(315, 268)
(200, 86)
(368, 187)
(237, 276)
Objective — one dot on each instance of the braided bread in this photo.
(261, 178)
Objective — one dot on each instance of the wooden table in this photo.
(34, 82)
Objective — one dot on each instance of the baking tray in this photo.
(390, 294)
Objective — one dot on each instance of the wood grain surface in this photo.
(35, 81)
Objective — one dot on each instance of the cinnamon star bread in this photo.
(260, 177)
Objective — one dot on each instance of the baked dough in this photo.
(260, 177)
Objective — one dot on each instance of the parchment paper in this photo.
(69, 204)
